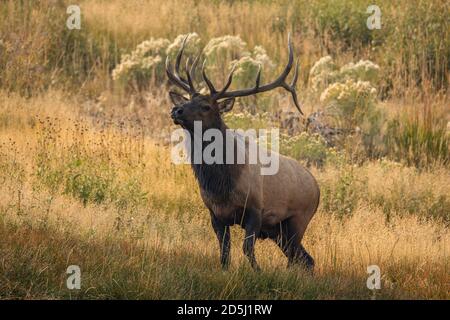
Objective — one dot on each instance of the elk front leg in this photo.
(252, 226)
(223, 235)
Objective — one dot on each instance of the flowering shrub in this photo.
(350, 99)
(325, 72)
(191, 48)
(349, 95)
(224, 48)
(136, 68)
(363, 70)
(222, 53)
(322, 73)
(225, 53)
(246, 68)
(311, 149)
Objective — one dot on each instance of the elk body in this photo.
(278, 206)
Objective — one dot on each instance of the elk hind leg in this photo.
(289, 241)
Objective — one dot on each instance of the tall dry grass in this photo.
(162, 246)
(32, 61)
(86, 177)
(319, 29)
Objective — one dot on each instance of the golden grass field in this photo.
(98, 189)
(164, 247)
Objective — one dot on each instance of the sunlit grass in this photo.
(86, 176)
(163, 245)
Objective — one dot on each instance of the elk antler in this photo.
(175, 78)
(279, 82)
(188, 85)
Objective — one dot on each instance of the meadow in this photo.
(87, 178)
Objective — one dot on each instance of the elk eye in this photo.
(206, 108)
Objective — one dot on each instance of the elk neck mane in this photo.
(217, 180)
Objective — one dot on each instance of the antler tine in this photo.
(174, 76)
(228, 83)
(280, 81)
(194, 66)
(178, 59)
(212, 90)
(174, 79)
(189, 77)
(258, 77)
(211, 87)
(292, 88)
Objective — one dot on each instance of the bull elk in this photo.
(278, 206)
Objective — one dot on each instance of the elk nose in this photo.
(177, 111)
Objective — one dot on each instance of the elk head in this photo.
(208, 108)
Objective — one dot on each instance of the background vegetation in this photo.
(85, 159)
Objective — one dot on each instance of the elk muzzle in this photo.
(177, 115)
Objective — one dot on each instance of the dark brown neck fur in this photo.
(217, 180)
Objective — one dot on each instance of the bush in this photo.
(322, 74)
(351, 101)
(310, 149)
(83, 172)
(89, 181)
(86, 182)
(341, 196)
(349, 97)
(136, 69)
(245, 120)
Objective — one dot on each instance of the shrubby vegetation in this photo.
(393, 64)
(349, 95)
(147, 60)
(136, 69)
(85, 166)
(63, 186)
(412, 46)
(312, 150)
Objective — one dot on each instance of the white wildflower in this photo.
(226, 44)
(322, 73)
(192, 44)
(364, 70)
(348, 90)
(260, 55)
(323, 64)
(146, 56)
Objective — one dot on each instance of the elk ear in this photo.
(177, 99)
(226, 105)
